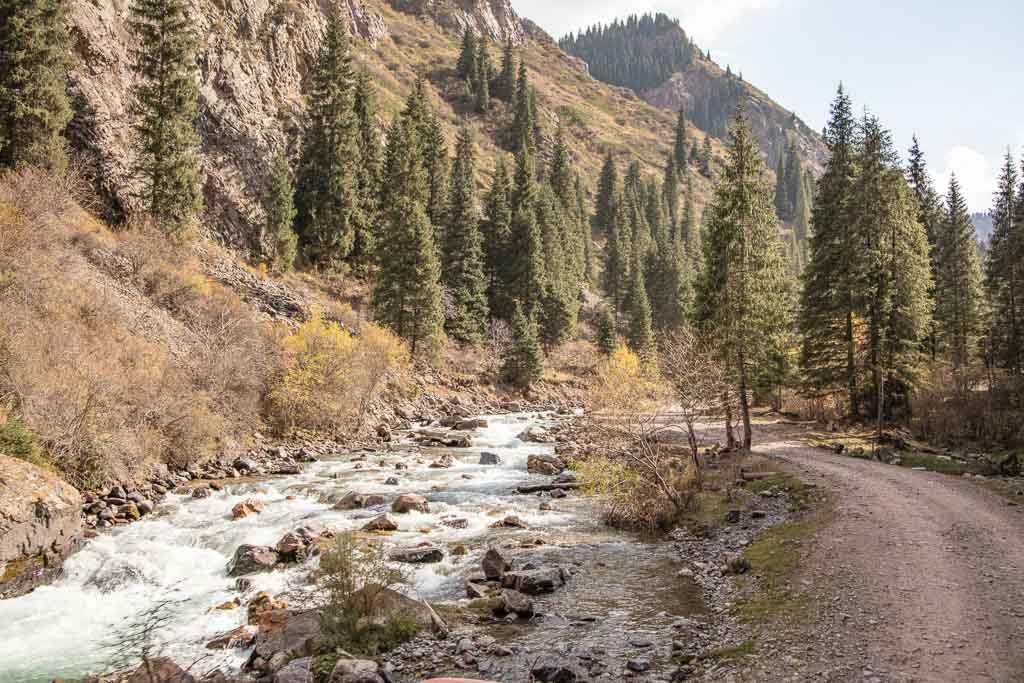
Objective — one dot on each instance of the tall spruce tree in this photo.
(586, 238)
(466, 66)
(463, 271)
(1004, 273)
(525, 270)
(670, 195)
(705, 157)
(35, 54)
(368, 178)
(690, 226)
(641, 330)
(738, 294)
(521, 131)
(482, 80)
(497, 236)
(560, 174)
(894, 274)
(524, 362)
(435, 163)
(607, 189)
(930, 215)
(607, 335)
(958, 312)
(679, 145)
(280, 208)
(330, 208)
(619, 255)
(167, 142)
(828, 314)
(407, 295)
(506, 86)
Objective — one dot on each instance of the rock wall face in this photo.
(492, 18)
(253, 65)
(40, 524)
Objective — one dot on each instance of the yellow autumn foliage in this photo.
(329, 377)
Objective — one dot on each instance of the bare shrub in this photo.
(698, 378)
(645, 480)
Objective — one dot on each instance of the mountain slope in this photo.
(254, 62)
(654, 56)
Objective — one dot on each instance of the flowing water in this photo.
(177, 558)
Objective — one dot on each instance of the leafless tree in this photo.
(697, 377)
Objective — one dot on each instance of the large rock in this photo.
(553, 671)
(40, 525)
(289, 631)
(514, 602)
(356, 501)
(250, 559)
(296, 671)
(243, 636)
(535, 435)
(534, 581)
(545, 463)
(424, 554)
(490, 459)
(247, 507)
(355, 671)
(160, 670)
(410, 502)
(495, 564)
(392, 602)
(381, 523)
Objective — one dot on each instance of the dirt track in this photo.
(919, 577)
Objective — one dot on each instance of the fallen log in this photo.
(540, 488)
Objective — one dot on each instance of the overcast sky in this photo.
(951, 72)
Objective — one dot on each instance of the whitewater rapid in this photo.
(179, 555)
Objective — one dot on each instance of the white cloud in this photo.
(705, 20)
(975, 172)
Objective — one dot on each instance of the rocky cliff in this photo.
(40, 524)
(492, 18)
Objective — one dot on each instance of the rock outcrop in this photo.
(40, 525)
(492, 18)
(254, 61)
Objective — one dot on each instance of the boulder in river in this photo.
(40, 525)
(356, 501)
(495, 564)
(423, 554)
(381, 523)
(160, 670)
(490, 459)
(545, 463)
(243, 636)
(293, 632)
(409, 502)
(509, 522)
(247, 507)
(514, 602)
(534, 581)
(443, 463)
(250, 559)
(391, 602)
(295, 544)
(535, 434)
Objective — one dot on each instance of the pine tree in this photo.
(506, 89)
(35, 55)
(607, 189)
(705, 157)
(893, 271)
(679, 148)
(641, 332)
(738, 295)
(958, 312)
(560, 175)
(521, 132)
(165, 63)
(497, 236)
(828, 314)
(328, 197)
(435, 163)
(524, 363)
(525, 267)
(586, 238)
(463, 272)
(690, 227)
(618, 258)
(1004, 273)
(670, 195)
(607, 337)
(930, 215)
(482, 81)
(467, 63)
(280, 208)
(368, 178)
(407, 296)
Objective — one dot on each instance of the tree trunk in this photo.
(745, 405)
(851, 371)
(730, 439)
